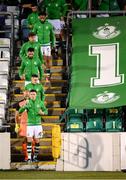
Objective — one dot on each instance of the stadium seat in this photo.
(8, 22)
(14, 9)
(4, 81)
(94, 125)
(3, 96)
(5, 67)
(4, 53)
(94, 120)
(74, 120)
(5, 42)
(16, 26)
(113, 120)
(75, 123)
(2, 111)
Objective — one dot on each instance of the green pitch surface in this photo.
(60, 175)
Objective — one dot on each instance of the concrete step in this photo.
(53, 83)
(43, 165)
(47, 128)
(54, 76)
(47, 89)
(48, 104)
(51, 111)
(54, 69)
(19, 141)
(55, 62)
(48, 97)
(46, 118)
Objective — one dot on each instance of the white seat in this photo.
(15, 34)
(5, 67)
(3, 81)
(13, 9)
(5, 42)
(3, 97)
(8, 23)
(4, 53)
(2, 111)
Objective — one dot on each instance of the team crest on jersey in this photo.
(106, 32)
(105, 97)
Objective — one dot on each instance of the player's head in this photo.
(32, 37)
(30, 53)
(34, 8)
(42, 16)
(32, 94)
(34, 79)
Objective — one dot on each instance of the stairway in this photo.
(55, 98)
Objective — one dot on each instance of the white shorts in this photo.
(56, 24)
(46, 50)
(35, 131)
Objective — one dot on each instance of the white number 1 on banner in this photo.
(107, 70)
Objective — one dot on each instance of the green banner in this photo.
(98, 70)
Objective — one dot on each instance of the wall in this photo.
(5, 151)
(90, 152)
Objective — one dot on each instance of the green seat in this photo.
(113, 123)
(114, 120)
(94, 125)
(94, 120)
(75, 123)
(74, 120)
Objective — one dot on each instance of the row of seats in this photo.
(4, 75)
(8, 21)
(109, 120)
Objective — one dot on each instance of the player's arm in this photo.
(22, 109)
(43, 110)
(52, 37)
(40, 69)
(42, 94)
(21, 70)
(22, 52)
(40, 55)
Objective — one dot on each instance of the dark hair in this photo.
(33, 90)
(34, 75)
(31, 34)
(42, 13)
(33, 5)
(30, 49)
